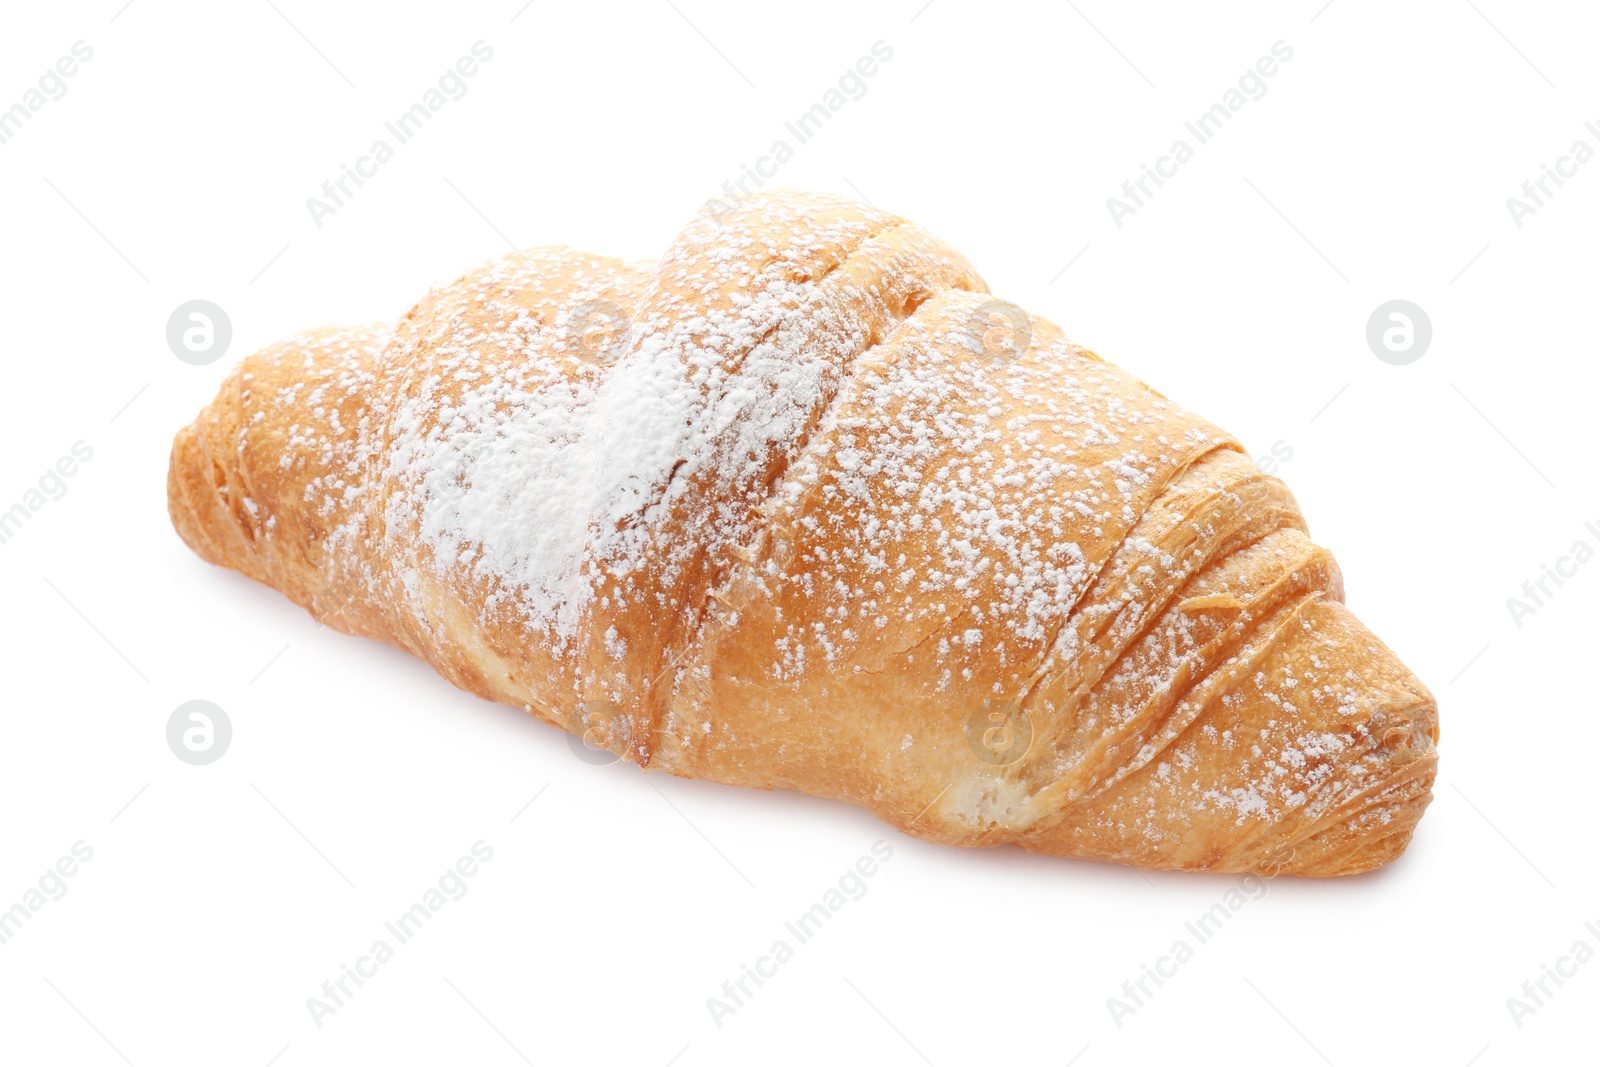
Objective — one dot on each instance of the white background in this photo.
(220, 898)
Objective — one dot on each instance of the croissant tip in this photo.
(1372, 833)
(181, 466)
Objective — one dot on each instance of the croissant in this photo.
(801, 506)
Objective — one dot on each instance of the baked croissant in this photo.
(801, 506)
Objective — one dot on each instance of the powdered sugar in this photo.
(543, 471)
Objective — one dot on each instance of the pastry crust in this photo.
(802, 506)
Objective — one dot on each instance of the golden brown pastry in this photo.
(801, 506)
